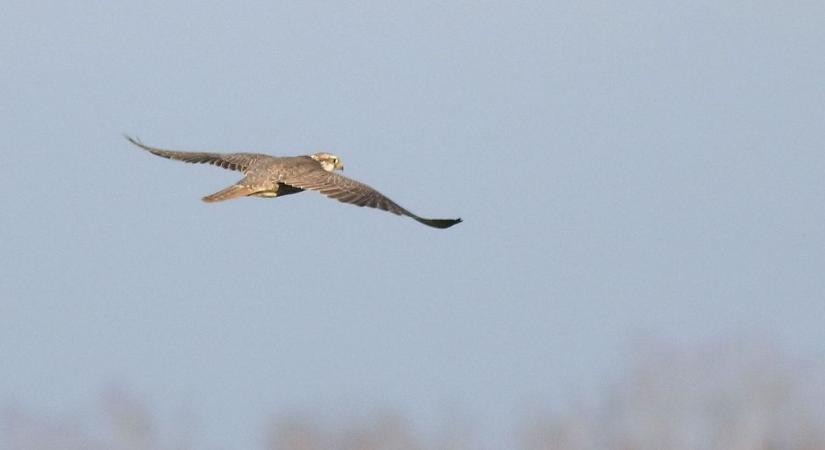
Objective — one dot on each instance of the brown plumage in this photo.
(271, 176)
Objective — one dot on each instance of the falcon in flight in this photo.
(272, 176)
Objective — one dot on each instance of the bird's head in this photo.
(328, 161)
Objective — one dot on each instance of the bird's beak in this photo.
(340, 167)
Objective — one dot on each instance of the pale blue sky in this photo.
(622, 168)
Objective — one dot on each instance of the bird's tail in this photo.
(234, 191)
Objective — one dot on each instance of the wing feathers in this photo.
(232, 161)
(347, 190)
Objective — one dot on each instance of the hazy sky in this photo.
(621, 167)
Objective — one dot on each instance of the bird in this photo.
(276, 176)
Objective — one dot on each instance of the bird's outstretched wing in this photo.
(348, 190)
(232, 161)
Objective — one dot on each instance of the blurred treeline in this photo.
(731, 396)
